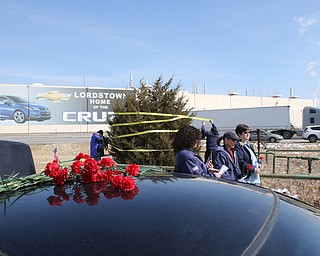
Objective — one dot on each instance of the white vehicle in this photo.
(278, 119)
(311, 133)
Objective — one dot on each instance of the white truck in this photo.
(279, 119)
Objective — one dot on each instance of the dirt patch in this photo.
(42, 153)
(307, 190)
(304, 190)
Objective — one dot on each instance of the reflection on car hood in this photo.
(166, 215)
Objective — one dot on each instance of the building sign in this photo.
(53, 105)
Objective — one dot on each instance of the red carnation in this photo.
(90, 165)
(76, 167)
(52, 168)
(103, 179)
(60, 177)
(106, 162)
(106, 175)
(133, 169)
(261, 158)
(128, 183)
(249, 167)
(116, 181)
(89, 176)
(82, 156)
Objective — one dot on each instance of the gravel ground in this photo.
(307, 190)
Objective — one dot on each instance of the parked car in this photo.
(311, 133)
(167, 214)
(21, 110)
(265, 136)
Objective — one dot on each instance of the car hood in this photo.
(32, 105)
(165, 215)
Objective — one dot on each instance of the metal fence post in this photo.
(309, 165)
(274, 162)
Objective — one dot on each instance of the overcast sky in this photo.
(256, 48)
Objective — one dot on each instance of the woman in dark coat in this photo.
(211, 136)
(225, 159)
(95, 145)
(248, 162)
(186, 144)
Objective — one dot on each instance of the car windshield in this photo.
(18, 99)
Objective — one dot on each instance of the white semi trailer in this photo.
(279, 119)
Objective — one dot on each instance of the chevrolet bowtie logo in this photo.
(55, 96)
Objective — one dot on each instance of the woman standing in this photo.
(96, 140)
(186, 143)
(211, 136)
(248, 162)
(225, 159)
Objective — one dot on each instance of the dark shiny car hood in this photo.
(166, 215)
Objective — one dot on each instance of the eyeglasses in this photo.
(248, 132)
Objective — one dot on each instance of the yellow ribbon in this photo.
(174, 117)
(144, 132)
(148, 122)
(141, 150)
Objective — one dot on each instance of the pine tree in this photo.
(156, 98)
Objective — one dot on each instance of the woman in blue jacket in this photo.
(248, 162)
(186, 144)
(211, 136)
(225, 158)
(96, 140)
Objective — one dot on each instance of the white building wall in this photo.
(210, 102)
(195, 101)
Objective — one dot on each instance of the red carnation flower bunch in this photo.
(89, 170)
(88, 193)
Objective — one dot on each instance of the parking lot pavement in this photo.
(48, 138)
